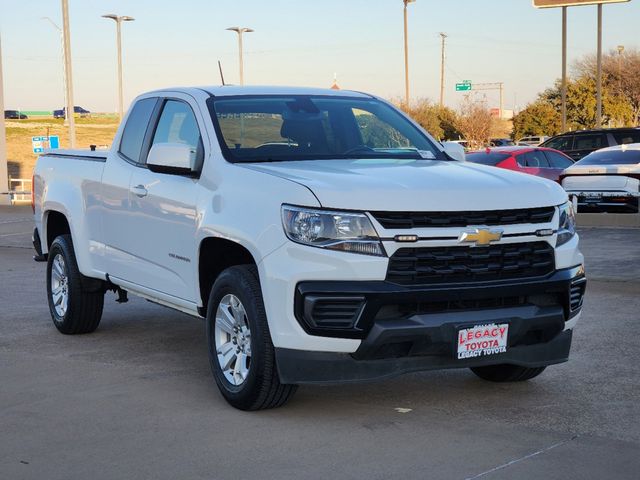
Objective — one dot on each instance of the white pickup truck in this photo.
(323, 234)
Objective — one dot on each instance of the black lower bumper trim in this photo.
(305, 367)
(380, 300)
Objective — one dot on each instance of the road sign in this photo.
(463, 87)
(570, 3)
(40, 144)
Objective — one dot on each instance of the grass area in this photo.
(95, 130)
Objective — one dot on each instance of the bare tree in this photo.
(475, 123)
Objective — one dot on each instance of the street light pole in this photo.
(599, 73)
(119, 20)
(443, 36)
(240, 31)
(563, 88)
(64, 73)
(5, 199)
(66, 35)
(406, 54)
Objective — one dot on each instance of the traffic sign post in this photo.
(576, 3)
(571, 3)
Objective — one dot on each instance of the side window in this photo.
(135, 129)
(558, 161)
(562, 143)
(622, 138)
(589, 142)
(535, 159)
(178, 124)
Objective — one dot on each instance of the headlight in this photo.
(345, 231)
(567, 227)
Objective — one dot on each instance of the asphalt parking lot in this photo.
(136, 398)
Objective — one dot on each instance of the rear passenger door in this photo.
(534, 163)
(124, 159)
(163, 208)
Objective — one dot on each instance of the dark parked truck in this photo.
(322, 235)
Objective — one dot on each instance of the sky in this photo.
(297, 42)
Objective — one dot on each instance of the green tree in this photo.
(538, 118)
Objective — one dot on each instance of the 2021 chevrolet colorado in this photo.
(323, 234)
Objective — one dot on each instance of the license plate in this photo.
(592, 197)
(482, 340)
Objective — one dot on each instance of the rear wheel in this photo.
(507, 373)
(74, 307)
(241, 353)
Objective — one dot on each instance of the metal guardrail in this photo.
(18, 190)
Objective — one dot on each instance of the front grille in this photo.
(428, 265)
(578, 287)
(405, 220)
(334, 312)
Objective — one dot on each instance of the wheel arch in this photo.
(55, 224)
(216, 254)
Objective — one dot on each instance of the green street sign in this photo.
(463, 87)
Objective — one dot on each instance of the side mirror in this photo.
(455, 151)
(173, 158)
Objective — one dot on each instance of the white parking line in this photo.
(13, 234)
(16, 220)
(505, 465)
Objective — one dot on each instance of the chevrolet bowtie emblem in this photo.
(480, 236)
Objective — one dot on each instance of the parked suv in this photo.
(14, 115)
(78, 111)
(582, 143)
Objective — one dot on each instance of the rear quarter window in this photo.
(623, 138)
(136, 128)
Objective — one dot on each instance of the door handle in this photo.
(139, 190)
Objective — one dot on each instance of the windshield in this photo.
(269, 128)
(611, 157)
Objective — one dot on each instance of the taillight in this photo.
(33, 194)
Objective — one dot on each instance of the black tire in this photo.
(85, 296)
(507, 373)
(262, 388)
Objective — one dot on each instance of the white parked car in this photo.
(322, 234)
(532, 141)
(607, 180)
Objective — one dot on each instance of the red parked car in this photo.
(538, 161)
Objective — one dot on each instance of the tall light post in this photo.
(240, 31)
(119, 20)
(5, 199)
(443, 36)
(64, 73)
(66, 36)
(406, 54)
(599, 71)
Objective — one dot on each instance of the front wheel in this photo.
(241, 353)
(507, 373)
(74, 308)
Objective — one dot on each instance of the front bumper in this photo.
(404, 329)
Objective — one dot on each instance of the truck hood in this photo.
(415, 185)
